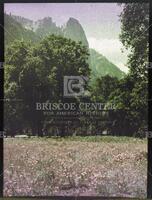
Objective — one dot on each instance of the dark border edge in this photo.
(149, 170)
(1, 93)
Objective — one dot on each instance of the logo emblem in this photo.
(74, 86)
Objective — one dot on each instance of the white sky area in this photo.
(112, 49)
(100, 22)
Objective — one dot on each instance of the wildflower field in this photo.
(77, 166)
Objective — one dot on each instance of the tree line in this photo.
(34, 73)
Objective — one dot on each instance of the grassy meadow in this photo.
(78, 166)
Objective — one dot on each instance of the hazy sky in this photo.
(99, 20)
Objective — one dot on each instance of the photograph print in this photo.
(75, 110)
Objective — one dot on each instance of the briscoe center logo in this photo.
(74, 86)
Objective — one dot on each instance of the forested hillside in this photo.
(15, 31)
(37, 64)
(101, 66)
(24, 29)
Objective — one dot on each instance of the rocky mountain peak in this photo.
(72, 21)
(46, 26)
(74, 31)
